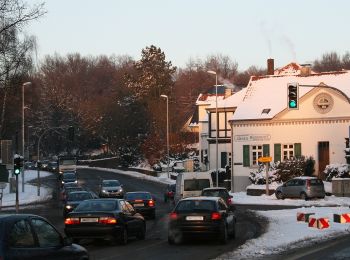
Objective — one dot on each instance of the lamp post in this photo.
(23, 85)
(167, 130)
(217, 124)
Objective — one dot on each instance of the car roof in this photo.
(17, 216)
(202, 198)
(216, 188)
(110, 180)
(305, 178)
(136, 192)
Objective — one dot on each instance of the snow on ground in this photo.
(284, 232)
(30, 191)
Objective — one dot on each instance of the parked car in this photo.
(111, 219)
(201, 217)
(67, 177)
(301, 187)
(26, 236)
(73, 199)
(111, 189)
(169, 192)
(219, 192)
(29, 165)
(143, 203)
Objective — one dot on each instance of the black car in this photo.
(52, 166)
(169, 192)
(66, 190)
(26, 236)
(110, 219)
(219, 192)
(201, 217)
(73, 199)
(143, 203)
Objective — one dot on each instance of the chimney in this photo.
(270, 67)
(228, 92)
(305, 70)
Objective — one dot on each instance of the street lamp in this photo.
(23, 85)
(167, 130)
(217, 124)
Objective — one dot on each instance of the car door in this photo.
(288, 189)
(129, 218)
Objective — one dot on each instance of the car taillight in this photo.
(308, 184)
(215, 216)
(173, 216)
(71, 221)
(151, 203)
(107, 220)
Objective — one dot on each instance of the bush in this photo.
(259, 176)
(336, 171)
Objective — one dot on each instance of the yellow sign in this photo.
(265, 159)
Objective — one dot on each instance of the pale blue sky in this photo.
(248, 31)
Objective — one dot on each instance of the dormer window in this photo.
(266, 111)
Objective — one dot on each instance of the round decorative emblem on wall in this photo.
(323, 103)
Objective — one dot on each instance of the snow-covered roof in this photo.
(231, 101)
(265, 96)
(207, 99)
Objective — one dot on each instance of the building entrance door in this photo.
(323, 157)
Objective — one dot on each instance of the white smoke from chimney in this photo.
(291, 46)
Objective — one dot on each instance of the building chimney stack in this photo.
(270, 67)
(305, 70)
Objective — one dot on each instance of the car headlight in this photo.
(120, 190)
(69, 207)
(104, 191)
(76, 181)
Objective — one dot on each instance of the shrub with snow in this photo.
(259, 176)
(336, 171)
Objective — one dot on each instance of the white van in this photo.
(191, 184)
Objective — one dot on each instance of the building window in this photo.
(288, 151)
(229, 159)
(224, 126)
(257, 151)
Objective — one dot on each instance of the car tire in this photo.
(124, 237)
(232, 235)
(141, 235)
(223, 235)
(303, 196)
(279, 195)
(153, 215)
(171, 240)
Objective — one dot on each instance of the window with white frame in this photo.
(287, 151)
(257, 151)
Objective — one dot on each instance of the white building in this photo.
(263, 125)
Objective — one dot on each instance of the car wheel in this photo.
(76, 240)
(303, 196)
(153, 215)
(171, 240)
(142, 233)
(223, 235)
(279, 195)
(124, 237)
(232, 235)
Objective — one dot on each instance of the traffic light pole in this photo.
(17, 202)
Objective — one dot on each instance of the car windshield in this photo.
(69, 176)
(138, 196)
(196, 184)
(67, 162)
(77, 196)
(215, 193)
(97, 205)
(111, 183)
(195, 205)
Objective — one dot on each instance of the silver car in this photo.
(301, 187)
(111, 189)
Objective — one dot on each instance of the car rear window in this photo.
(196, 184)
(97, 205)
(195, 205)
(215, 193)
(79, 196)
(138, 196)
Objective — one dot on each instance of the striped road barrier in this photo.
(341, 218)
(301, 216)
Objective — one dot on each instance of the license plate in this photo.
(138, 205)
(88, 220)
(191, 218)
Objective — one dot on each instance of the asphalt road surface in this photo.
(155, 246)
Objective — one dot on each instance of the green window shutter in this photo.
(277, 152)
(223, 159)
(297, 150)
(266, 150)
(246, 157)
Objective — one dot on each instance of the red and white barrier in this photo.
(320, 223)
(341, 218)
(301, 216)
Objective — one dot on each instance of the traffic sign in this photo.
(264, 159)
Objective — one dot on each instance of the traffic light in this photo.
(17, 164)
(293, 95)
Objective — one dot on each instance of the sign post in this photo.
(267, 161)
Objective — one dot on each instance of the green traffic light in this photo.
(17, 171)
(292, 104)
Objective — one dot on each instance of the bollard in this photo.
(304, 216)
